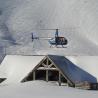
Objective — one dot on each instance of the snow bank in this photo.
(42, 89)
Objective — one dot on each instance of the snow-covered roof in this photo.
(16, 67)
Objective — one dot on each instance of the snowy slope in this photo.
(77, 20)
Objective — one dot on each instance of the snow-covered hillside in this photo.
(76, 19)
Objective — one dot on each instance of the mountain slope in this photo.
(76, 19)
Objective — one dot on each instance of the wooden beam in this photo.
(59, 79)
(50, 65)
(25, 80)
(47, 61)
(42, 68)
(47, 75)
(44, 65)
(33, 75)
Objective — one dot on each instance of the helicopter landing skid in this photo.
(56, 46)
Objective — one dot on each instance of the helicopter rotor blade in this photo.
(45, 29)
(56, 28)
(49, 29)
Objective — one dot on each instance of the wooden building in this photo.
(51, 68)
(58, 69)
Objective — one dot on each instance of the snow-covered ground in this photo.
(41, 89)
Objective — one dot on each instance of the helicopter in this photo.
(56, 40)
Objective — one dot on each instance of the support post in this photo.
(59, 79)
(34, 75)
(47, 62)
(67, 83)
(47, 75)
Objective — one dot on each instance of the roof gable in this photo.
(60, 63)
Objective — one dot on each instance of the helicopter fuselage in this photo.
(58, 41)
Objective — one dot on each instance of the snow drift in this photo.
(42, 89)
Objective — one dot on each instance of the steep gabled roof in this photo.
(73, 71)
(60, 62)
